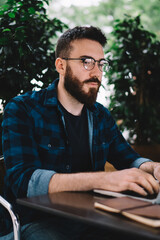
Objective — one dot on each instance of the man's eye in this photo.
(87, 61)
(103, 63)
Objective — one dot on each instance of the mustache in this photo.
(96, 80)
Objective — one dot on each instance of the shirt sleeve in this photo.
(39, 181)
(121, 154)
(139, 161)
(19, 148)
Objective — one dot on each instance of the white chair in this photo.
(9, 208)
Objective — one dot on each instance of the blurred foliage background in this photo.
(103, 13)
(134, 57)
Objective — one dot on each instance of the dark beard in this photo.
(75, 87)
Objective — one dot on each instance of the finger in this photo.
(154, 183)
(148, 182)
(157, 172)
(146, 185)
(138, 189)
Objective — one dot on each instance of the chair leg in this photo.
(14, 217)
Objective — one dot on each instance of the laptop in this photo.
(154, 198)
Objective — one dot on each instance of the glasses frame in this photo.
(93, 63)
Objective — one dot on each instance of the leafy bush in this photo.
(134, 74)
(26, 47)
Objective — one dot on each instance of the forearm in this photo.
(129, 179)
(76, 181)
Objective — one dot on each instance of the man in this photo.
(58, 139)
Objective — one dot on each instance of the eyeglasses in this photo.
(89, 63)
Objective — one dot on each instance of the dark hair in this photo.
(64, 47)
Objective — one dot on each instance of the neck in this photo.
(68, 102)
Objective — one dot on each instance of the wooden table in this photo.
(80, 206)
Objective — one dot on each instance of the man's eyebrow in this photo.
(85, 56)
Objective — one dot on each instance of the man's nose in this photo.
(95, 72)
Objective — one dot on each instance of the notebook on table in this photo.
(146, 211)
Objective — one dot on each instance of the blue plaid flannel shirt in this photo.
(34, 139)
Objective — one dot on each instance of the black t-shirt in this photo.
(77, 130)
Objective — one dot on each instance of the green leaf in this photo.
(11, 15)
(7, 30)
(1, 13)
(31, 10)
(20, 3)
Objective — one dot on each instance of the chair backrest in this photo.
(2, 173)
(7, 205)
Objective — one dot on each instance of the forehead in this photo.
(86, 47)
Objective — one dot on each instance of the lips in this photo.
(93, 81)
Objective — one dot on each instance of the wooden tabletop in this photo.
(80, 206)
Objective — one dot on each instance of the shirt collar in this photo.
(51, 94)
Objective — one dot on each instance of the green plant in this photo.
(27, 38)
(134, 74)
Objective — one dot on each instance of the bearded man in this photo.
(59, 139)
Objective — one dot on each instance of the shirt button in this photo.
(67, 167)
(49, 145)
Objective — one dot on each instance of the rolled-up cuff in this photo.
(38, 184)
(138, 162)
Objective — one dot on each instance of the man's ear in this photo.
(60, 66)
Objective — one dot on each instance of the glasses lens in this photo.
(103, 65)
(88, 63)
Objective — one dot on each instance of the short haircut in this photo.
(64, 47)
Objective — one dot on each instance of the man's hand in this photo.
(132, 179)
(152, 168)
